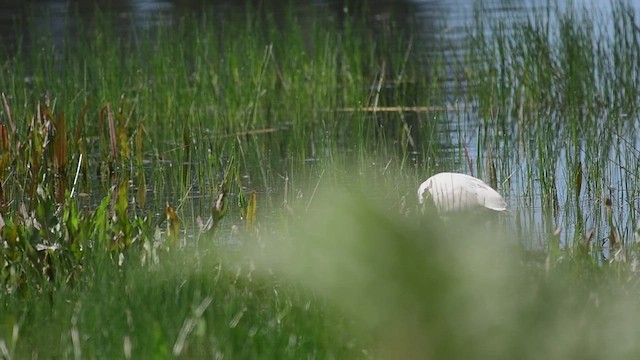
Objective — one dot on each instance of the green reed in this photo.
(552, 93)
(258, 90)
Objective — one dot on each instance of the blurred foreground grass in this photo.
(350, 277)
(426, 289)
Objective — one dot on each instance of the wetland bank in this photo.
(244, 185)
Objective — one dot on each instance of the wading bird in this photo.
(459, 193)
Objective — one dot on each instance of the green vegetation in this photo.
(245, 189)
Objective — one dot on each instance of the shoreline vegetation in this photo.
(246, 189)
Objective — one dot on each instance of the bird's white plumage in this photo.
(454, 192)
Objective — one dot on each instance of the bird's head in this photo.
(425, 198)
(424, 192)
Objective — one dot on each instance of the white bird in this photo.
(456, 193)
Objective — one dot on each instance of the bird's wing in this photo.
(453, 196)
(457, 192)
(486, 196)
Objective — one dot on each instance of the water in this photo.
(435, 17)
(442, 24)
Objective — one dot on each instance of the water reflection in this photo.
(435, 17)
